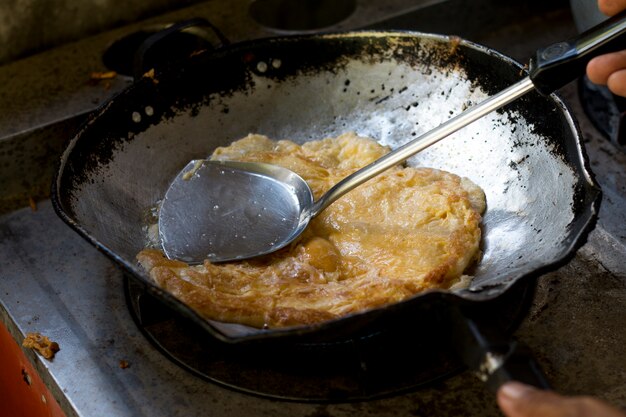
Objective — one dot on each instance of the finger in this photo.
(611, 7)
(519, 400)
(600, 68)
(617, 83)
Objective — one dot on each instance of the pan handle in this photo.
(494, 358)
(139, 67)
(556, 65)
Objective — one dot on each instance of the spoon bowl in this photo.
(226, 210)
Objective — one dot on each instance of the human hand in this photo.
(610, 69)
(520, 400)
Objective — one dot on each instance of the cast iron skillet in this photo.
(541, 197)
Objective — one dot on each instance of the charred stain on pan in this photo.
(495, 75)
(331, 53)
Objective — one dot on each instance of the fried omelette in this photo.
(401, 233)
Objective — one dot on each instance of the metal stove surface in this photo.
(53, 282)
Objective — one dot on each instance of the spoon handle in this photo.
(422, 142)
(556, 65)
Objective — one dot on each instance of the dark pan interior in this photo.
(391, 86)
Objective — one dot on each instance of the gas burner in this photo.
(363, 367)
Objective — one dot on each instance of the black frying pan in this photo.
(528, 157)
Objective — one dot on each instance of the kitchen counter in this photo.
(55, 283)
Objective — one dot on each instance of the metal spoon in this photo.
(223, 211)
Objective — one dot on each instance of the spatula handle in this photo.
(556, 65)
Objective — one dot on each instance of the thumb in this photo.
(520, 400)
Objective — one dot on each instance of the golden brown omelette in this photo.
(406, 231)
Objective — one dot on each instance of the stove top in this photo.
(53, 282)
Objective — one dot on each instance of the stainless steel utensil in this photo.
(224, 210)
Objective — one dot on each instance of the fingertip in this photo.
(510, 397)
(595, 71)
(617, 83)
(601, 68)
(514, 390)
